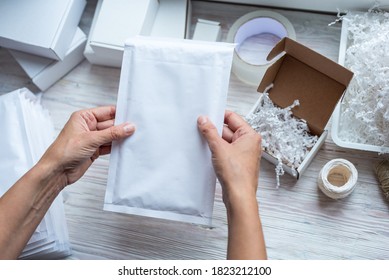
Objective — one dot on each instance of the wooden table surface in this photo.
(299, 221)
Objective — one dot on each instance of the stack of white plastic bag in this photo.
(165, 170)
(26, 132)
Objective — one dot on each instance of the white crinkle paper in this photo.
(365, 107)
(283, 136)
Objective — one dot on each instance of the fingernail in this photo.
(128, 128)
(202, 120)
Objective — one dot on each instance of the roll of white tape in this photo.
(338, 178)
(251, 24)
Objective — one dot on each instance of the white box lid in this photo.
(171, 20)
(207, 30)
(40, 27)
(121, 19)
(33, 65)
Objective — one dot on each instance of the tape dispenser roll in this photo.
(251, 24)
(338, 178)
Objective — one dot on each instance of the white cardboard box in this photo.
(321, 6)
(39, 27)
(88, 52)
(118, 20)
(344, 44)
(44, 72)
(207, 30)
(172, 20)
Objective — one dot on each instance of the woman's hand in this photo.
(236, 159)
(87, 135)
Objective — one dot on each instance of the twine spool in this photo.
(382, 172)
(338, 178)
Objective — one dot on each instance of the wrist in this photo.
(240, 199)
(50, 174)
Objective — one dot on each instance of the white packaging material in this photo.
(27, 131)
(173, 19)
(40, 27)
(284, 137)
(308, 5)
(88, 52)
(44, 72)
(207, 30)
(164, 170)
(118, 20)
(361, 119)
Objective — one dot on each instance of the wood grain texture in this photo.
(299, 221)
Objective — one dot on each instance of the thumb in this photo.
(209, 131)
(116, 132)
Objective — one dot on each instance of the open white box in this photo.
(336, 119)
(169, 20)
(44, 72)
(40, 27)
(316, 81)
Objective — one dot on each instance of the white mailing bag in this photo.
(27, 131)
(164, 170)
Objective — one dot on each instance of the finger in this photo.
(209, 131)
(227, 134)
(105, 124)
(103, 113)
(234, 121)
(112, 133)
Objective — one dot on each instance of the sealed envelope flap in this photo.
(316, 81)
